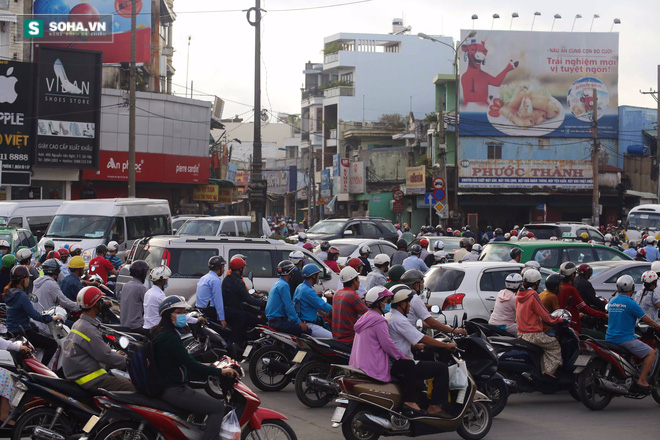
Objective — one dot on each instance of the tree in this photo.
(392, 119)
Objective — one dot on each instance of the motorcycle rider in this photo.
(100, 265)
(414, 261)
(463, 251)
(49, 246)
(587, 291)
(323, 254)
(429, 259)
(64, 257)
(652, 253)
(365, 251)
(85, 351)
(401, 253)
(331, 262)
(424, 244)
(568, 271)
(159, 277)
(516, 255)
(71, 284)
(649, 298)
(378, 276)
(7, 262)
(623, 315)
(209, 291)
(394, 275)
(347, 306)
(132, 298)
(302, 239)
(298, 260)
(113, 247)
(504, 310)
(308, 303)
(48, 291)
(24, 257)
(530, 315)
(405, 336)
(498, 235)
(632, 249)
(280, 311)
(234, 294)
(474, 253)
(173, 362)
(440, 257)
(549, 297)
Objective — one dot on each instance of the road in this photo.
(527, 416)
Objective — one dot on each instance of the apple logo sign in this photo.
(7, 87)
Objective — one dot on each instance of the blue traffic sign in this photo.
(438, 195)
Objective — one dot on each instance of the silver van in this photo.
(35, 215)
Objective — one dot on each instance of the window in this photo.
(544, 144)
(319, 120)
(346, 77)
(494, 151)
(80, 226)
(370, 230)
(39, 224)
(258, 261)
(595, 235)
(244, 227)
(493, 281)
(355, 227)
(387, 250)
(228, 228)
(199, 227)
(605, 254)
(23, 240)
(578, 255)
(190, 263)
(548, 257)
(443, 279)
(136, 227)
(158, 224)
(117, 233)
(16, 222)
(635, 272)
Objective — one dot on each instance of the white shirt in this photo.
(152, 300)
(403, 333)
(418, 310)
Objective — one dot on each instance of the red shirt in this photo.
(347, 306)
(577, 305)
(101, 266)
(332, 264)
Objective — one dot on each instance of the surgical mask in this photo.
(387, 307)
(181, 321)
(165, 286)
(3, 252)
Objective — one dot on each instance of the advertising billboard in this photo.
(358, 183)
(278, 181)
(564, 174)
(523, 83)
(326, 184)
(416, 180)
(68, 109)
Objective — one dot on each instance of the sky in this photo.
(222, 41)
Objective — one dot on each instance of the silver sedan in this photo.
(607, 272)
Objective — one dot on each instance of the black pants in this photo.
(286, 326)
(410, 373)
(195, 402)
(240, 322)
(46, 343)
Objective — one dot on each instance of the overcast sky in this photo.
(222, 46)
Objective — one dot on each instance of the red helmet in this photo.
(457, 233)
(449, 230)
(236, 263)
(333, 250)
(514, 232)
(641, 251)
(309, 246)
(53, 254)
(355, 263)
(88, 296)
(530, 235)
(63, 252)
(423, 242)
(585, 269)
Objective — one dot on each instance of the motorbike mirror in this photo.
(455, 324)
(464, 317)
(419, 324)
(435, 309)
(607, 307)
(250, 275)
(208, 304)
(123, 342)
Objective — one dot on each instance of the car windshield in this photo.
(79, 226)
(199, 227)
(643, 220)
(597, 270)
(495, 252)
(544, 232)
(451, 243)
(442, 279)
(6, 237)
(345, 249)
(327, 227)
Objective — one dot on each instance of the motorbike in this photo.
(270, 359)
(132, 415)
(607, 370)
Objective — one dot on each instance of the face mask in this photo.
(165, 286)
(3, 252)
(181, 321)
(387, 308)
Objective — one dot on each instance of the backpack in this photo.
(143, 371)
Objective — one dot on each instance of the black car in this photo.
(363, 227)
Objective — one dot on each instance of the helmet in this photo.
(411, 277)
(457, 233)
(374, 294)
(49, 243)
(302, 236)
(533, 264)
(513, 238)
(438, 245)
(333, 250)
(139, 268)
(284, 268)
(172, 302)
(310, 269)
(8, 260)
(50, 267)
(216, 262)
(423, 242)
(532, 276)
(296, 257)
(401, 244)
(553, 238)
(347, 274)
(401, 293)
(365, 250)
(74, 248)
(650, 239)
(439, 255)
(415, 249)
(515, 252)
(54, 254)
(463, 242)
(24, 254)
(625, 283)
(241, 256)
(655, 266)
(567, 269)
(642, 252)
(450, 230)
(355, 263)
(514, 232)
(585, 270)
(18, 273)
(608, 237)
(88, 296)
(237, 263)
(477, 248)
(498, 231)
(381, 260)
(471, 241)
(632, 244)
(648, 277)
(513, 281)
(507, 236)
(325, 246)
(63, 252)
(160, 273)
(584, 236)
(552, 282)
(101, 249)
(309, 246)
(113, 246)
(395, 272)
(78, 262)
(530, 235)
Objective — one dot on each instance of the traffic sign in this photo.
(397, 195)
(439, 183)
(397, 206)
(438, 195)
(441, 210)
(321, 202)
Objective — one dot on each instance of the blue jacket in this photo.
(20, 310)
(70, 286)
(280, 304)
(307, 302)
(652, 253)
(209, 288)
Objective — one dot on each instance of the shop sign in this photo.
(344, 176)
(358, 183)
(226, 196)
(278, 181)
(326, 184)
(205, 193)
(416, 180)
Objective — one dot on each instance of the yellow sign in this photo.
(321, 201)
(205, 193)
(439, 207)
(226, 196)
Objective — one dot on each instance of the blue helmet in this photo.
(309, 270)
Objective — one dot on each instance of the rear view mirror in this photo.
(348, 232)
(250, 275)
(123, 342)
(419, 324)
(435, 309)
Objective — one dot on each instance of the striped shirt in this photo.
(347, 306)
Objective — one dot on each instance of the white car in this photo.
(469, 288)
(350, 248)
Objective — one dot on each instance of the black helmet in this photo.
(401, 244)
(325, 245)
(498, 231)
(139, 269)
(285, 267)
(396, 272)
(415, 249)
(515, 252)
(101, 249)
(411, 277)
(19, 272)
(552, 282)
(50, 267)
(216, 262)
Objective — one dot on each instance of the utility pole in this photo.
(457, 89)
(657, 124)
(188, 66)
(594, 159)
(442, 152)
(257, 186)
(131, 108)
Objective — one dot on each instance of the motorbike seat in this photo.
(63, 386)
(611, 346)
(339, 346)
(133, 398)
(519, 343)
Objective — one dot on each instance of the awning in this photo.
(7, 16)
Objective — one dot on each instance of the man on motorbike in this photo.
(414, 261)
(649, 298)
(331, 261)
(208, 296)
(113, 248)
(347, 306)
(24, 257)
(48, 291)
(394, 274)
(624, 313)
(308, 303)
(405, 336)
(132, 298)
(568, 271)
(365, 251)
(71, 284)
(100, 265)
(516, 255)
(378, 277)
(586, 289)
(85, 351)
(549, 297)
(234, 295)
(280, 311)
(323, 254)
(298, 260)
(504, 310)
(401, 253)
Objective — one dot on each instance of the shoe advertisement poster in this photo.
(524, 83)
(16, 121)
(68, 108)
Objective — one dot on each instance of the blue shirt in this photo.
(115, 260)
(70, 286)
(652, 253)
(307, 302)
(413, 262)
(279, 303)
(209, 288)
(623, 313)
(630, 252)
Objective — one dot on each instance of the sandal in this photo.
(411, 412)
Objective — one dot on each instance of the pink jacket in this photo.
(504, 312)
(530, 312)
(372, 345)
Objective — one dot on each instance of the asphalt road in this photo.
(526, 416)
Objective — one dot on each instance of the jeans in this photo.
(195, 402)
(410, 373)
(319, 331)
(286, 326)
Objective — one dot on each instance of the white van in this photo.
(229, 225)
(93, 222)
(643, 219)
(30, 214)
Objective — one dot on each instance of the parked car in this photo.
(187, 258)
(359, 227)
(227, 225)
(550, 254)
(607, 272)
(563, 231)
(350, 248)
(451, 244)
(179, 220)
(469, 288)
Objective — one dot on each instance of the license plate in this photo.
(247, 351)
(17, 398)
(299, 357)
(90, 424)
(338, 414)
(582, 360)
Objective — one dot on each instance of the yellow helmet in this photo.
(77, 262)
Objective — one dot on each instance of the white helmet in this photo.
(160, 273)
(365, 250)
(649, 239)
(513, 238)
(438, 245)
(440, 255)
(26, 254)
(381, 260)
(507, 236)
(296, 257)
(533, 264)
(74, 247)
(655, 266)
(523, 239)
(347, 274)
(4, 243)
(477, 248)
(608, 237)
(302, 236)
(376, 293)
(625, 283)
(649, 276)
(113, 246)
(513, 281)
(532, 276)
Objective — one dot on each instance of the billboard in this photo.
(344, 176)
(519, 173)
(68, 108)
(358, 183)
(326, 183)
(416, 180)
(92, 25)
(523, 83)
(278, 181)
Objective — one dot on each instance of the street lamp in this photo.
(456, 101)
(536, 14)
(493, 22)
(592, 21)
(576, 17)
(616, 21)
(514, 15)
(474, 17)
(557, 16)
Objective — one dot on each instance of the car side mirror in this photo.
(435, 309)
(348, 232)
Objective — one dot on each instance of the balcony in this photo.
(339, 91)
(312, 92)
(331, 58)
